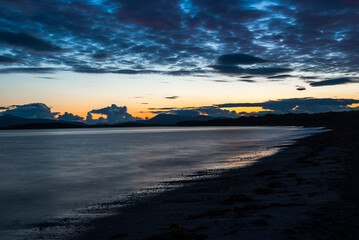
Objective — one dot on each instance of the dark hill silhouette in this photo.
(329, 119)
(170, 119)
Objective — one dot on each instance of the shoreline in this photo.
(278, 197)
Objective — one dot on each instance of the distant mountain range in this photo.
(13, 122)
(169, 119)
(328, 119)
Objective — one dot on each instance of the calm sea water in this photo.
(49, 173)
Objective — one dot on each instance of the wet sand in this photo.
(306, 191)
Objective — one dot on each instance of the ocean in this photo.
(47, 174)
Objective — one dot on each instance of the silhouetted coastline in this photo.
(329, 120)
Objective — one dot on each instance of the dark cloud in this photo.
(113, 113)
(32, 110)
(90, 70)
(162, 109)
(228, 64)
(330, 82)
(28, 70)
(184, 72)
(312, 36)
(247, 76)
(323, 30)
(101, 56)
(70, 117)
(86, 69)
(27, 41)
(147, 14)
(267, 71)
(129, 71)
(8, 60)
(220, 81)
(235, 70)
(167, 33)
(239, 59)
(172, 97)
(308, 77)
(300, 88)
(299, 105)
(247, 80)
(280, 76)
(211, 111)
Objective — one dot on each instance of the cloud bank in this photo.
(335, 81)
(114, 114)
(70, 117)
(299, 105)
(181, 37)
(119, 114)
(31, 110)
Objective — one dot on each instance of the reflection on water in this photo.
(47, 173)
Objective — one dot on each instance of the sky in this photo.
(123, 60)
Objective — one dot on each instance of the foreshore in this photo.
(308, 190)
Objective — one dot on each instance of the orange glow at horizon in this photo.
(136, 112)
(247, 109)
(96, 116)
(82, 112)
(141, 111)
(354, 105)
(144, 114)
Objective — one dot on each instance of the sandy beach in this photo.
(308, 190)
